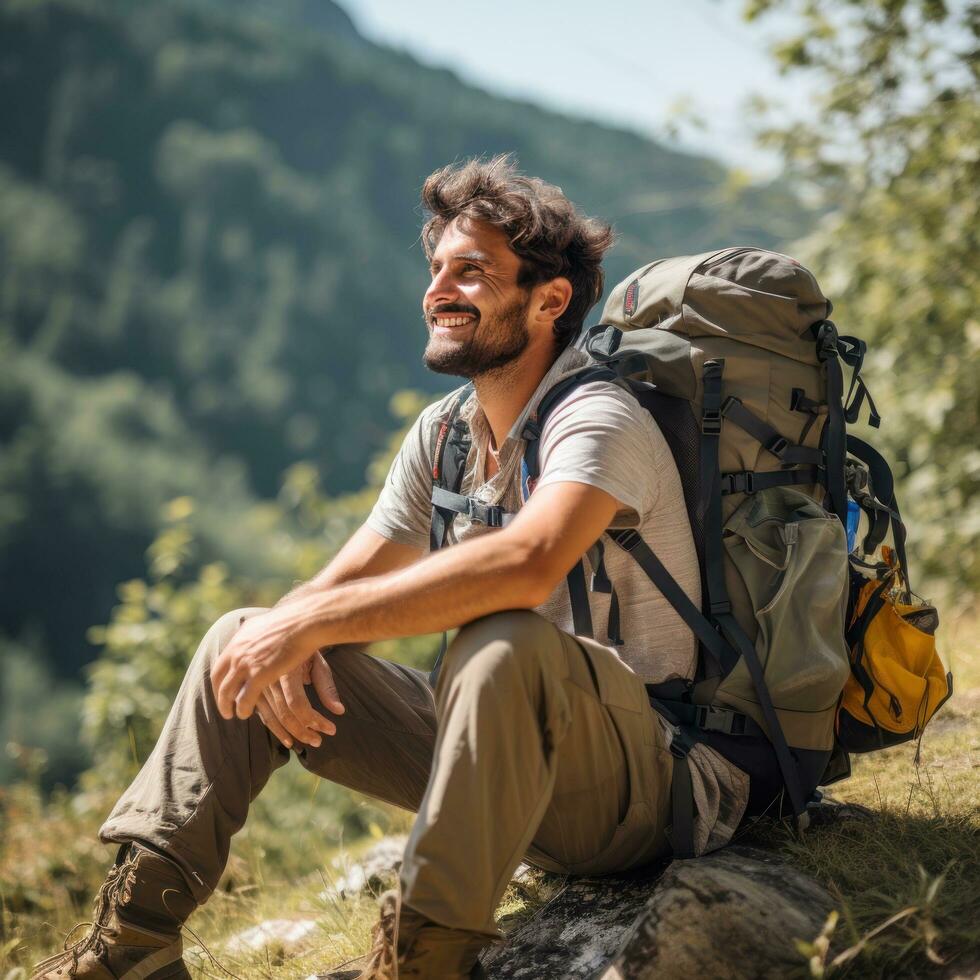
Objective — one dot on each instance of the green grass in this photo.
(906, 882)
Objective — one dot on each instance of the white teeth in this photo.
(451, 321)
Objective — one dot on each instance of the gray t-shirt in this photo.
(599, 435)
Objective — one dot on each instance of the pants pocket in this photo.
(636, 841)
(615, 730)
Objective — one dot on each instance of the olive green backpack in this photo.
(733, 355)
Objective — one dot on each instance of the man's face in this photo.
(475, 312)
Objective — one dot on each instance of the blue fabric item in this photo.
(525, 481)
(853, 517)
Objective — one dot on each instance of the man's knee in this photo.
(223, 629)
(514, 639)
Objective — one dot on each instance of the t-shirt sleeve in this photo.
(602, 437)
(403, 508)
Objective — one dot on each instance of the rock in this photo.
(731, 914)
(376, 870)
(735, 913)
(286, 934)
(579, 931)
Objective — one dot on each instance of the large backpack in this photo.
(733, 355)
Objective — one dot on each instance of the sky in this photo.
(624, 62)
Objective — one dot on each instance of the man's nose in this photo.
(442, 289)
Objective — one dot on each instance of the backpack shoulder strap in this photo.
(552, 399)
(448, 450)
(578, 591)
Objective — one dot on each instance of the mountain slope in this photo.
(215, 207)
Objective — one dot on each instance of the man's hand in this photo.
(283, 706)
(286, 710)
(265, 648)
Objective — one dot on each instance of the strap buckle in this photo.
(628, 539)
(710, 719)
(826, 332)
(777, 446)
(492, 515)
(680, 742)
(711, 422)
(532, 430)
(743, 482)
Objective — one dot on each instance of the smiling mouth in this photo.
(448, 321)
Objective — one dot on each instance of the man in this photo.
(534, 743)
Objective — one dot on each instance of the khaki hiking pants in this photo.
(535, 744)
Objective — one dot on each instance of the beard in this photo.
(494, 342)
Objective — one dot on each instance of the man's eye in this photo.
(471, 268)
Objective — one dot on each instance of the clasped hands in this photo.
(264, 669)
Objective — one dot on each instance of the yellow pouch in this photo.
(897, 681)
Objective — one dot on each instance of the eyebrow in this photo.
(480, 257)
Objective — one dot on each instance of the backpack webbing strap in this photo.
(853, 408)
(578, 593)
(534, 424)
(601, 583)
(883, 485)
(834, 432)
(682, 806)
(748, 481)
(787, 765)
(613, 631)
(710, 718)
(680, 833)
(769, 438)
(449, 451)
(723, 655)
(718, 601)
(492, 515)
(851, 351)
(710, 484)
(800, 403)
(578, 596)
(855, 643)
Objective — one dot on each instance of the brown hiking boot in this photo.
(425, 950)
(135, 934)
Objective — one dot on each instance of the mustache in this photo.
(445, 308)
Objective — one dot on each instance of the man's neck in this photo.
(504, 393)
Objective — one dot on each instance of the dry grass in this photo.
(914, 867)
(916, 864)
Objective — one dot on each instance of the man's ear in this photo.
(555, 295)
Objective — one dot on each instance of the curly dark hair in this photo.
(544, 228)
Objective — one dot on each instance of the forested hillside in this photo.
(209, 268)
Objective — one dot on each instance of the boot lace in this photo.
(115, 881)
(102, 908)
(381, 964)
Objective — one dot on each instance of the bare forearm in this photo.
(365, 555)
(444, 590)
(514, 568)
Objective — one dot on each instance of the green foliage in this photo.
(157, 625)
(160, 620)
(892, 150)
(209, 268)
(38, 721)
